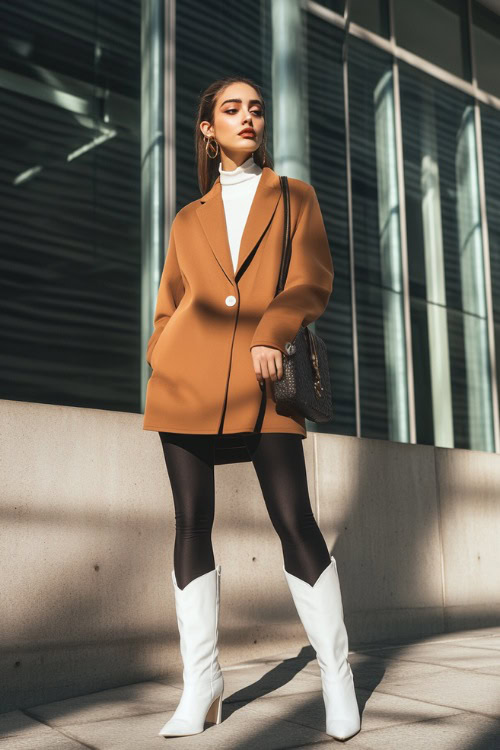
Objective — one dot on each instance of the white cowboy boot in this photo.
(197, 608)
(320, 610)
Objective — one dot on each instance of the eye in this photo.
(257, 112)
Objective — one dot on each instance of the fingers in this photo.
(259, 369)
(275, 364)
(279, 364)
(268, 363)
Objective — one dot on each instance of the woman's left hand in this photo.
(267, 362)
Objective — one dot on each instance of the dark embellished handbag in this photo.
(304, 387)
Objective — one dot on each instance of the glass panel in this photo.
(335, 5)
(447, 288)
(328, 175)
(374, 16)
(490, 120)
(379, 290)
(70, 210)
(436, 30)
(486, 33)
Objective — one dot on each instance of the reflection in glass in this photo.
(490, 126)
(447, 285)
(470, 248)
(70, 209)
(377, 247)
(221, 40)
(327, 158)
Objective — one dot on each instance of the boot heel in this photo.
(197, 610)
(320, 609)
(214, 714)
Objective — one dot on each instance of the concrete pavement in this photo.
(440, 692)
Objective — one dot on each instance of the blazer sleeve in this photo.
(170, 293)
(309, 281)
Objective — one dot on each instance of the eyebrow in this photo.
(252, 101)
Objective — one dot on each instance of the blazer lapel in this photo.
(213, 220)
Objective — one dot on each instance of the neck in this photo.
(246, 171)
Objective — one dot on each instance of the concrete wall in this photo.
(86, 549)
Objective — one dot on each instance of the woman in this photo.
(219, 338)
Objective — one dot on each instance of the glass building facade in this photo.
(390, 108)
(70, 214)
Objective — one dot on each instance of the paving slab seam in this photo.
(288, 721)
(366, 649)
(367, 732)
(234, 667)
(299, 724)
(315, 743)
(171, 685)
(478, 670)
(110, 718)
(27, 713)
(423, 645)
(263, 662)
(304, 693)
(454, 712)
(432, 703)
(462, 670)
(79, 741)
(398, 679)
(446, 667)
(417, 721)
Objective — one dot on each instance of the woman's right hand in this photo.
(267, 362)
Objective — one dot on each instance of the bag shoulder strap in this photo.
(286, 248)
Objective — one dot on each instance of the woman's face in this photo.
(230, 118)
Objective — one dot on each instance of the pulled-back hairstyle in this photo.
(208, 169)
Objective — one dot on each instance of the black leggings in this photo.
(279, 462)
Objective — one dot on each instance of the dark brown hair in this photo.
(208, 169)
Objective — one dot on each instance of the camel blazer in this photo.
(208, 316)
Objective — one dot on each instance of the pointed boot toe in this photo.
(183, 723)
(342, 729)
(197, 609)
(320, 610)
(342, 712)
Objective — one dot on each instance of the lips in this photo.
(247, 133)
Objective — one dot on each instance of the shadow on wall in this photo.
(87, 549)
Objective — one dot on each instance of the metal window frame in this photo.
(350, 224)
(478, 95)
(157, 63)
(485, 235)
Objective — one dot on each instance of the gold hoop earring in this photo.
(263, 147)
(209, 144)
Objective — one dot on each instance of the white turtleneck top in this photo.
(238, 191)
